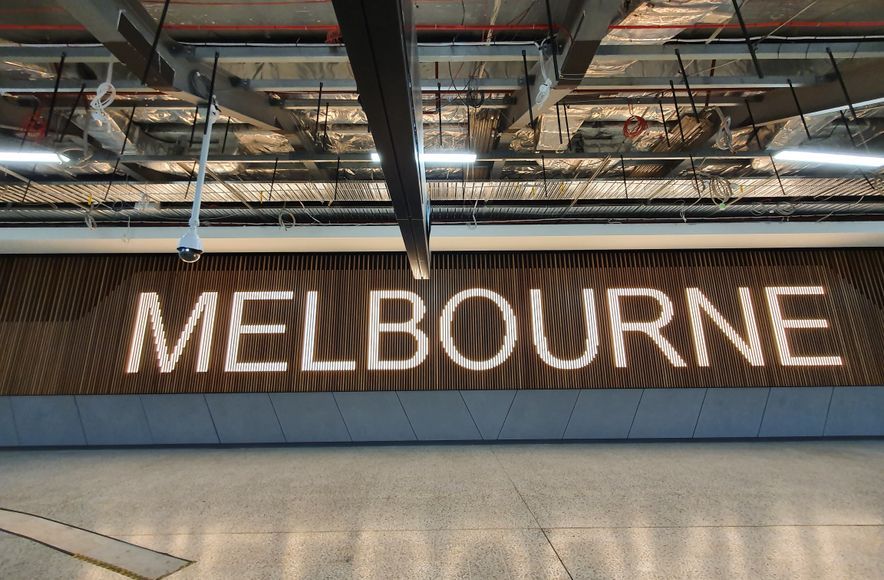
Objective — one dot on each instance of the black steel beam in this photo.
(382, 46)
(127, 30)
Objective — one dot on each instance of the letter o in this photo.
(509, 338)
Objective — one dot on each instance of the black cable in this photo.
(663, 119)
(120, 156)
(67, 124)
(694, 171)
(761, 148)
(337, 178)
(273, 180)
(190, 179)
(156, 41)
(841, 82)
(469, 132)
(439, 109)
(749, 44)
(777, 173)
(855, 146)
(623, 171)
(677, 114)
(211, 95)
(559, 123)
(798, 106)
(684, 76)
(226, 131)
(54, 93)
(318, 110)
(528, 88)
(30, 125)
(754, 127)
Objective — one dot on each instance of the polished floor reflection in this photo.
(648, 510)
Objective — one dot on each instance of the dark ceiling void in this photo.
(580, 111)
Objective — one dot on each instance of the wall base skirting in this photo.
(409, 416)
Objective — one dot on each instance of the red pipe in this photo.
(469, 27)
(334, 27)
(262, 3)
(41, 27)
(237, 2)
(295, 27)
(793, 24)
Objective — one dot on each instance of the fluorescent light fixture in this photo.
(450, 157)
(440, 157)
(806, 156)
(31, 157)
(859, 105)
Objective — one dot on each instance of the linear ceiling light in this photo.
(830, 158)
(440, 157)
(31, 157)
(450, 157)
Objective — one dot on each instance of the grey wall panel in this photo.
(796, 412)
(439, 415)
(114, 420)
(541, 414)
(244, 418)
(489, 409)
(179, 419)
(309, 417)
(856, 411)
(8, 436)
(50, 420)
(374, 416)
(731, 412)
(667, 413)
(603, 414)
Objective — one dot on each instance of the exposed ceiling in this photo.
(294, 141)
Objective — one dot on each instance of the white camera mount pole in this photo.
(213, 115)
(190, 247)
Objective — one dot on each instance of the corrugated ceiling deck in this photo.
(376, 191)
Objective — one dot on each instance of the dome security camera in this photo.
(190, 247)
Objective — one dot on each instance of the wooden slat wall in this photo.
(66, 321)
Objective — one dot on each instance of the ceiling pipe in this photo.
(542, 28)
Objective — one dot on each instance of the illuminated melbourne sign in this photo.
(703, 315)
(251, 323)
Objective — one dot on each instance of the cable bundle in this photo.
(104, 97)
(634, 125)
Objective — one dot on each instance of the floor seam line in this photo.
(530, 511)
(556, 552)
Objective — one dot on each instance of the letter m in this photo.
(149, 311)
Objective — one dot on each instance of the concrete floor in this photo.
(656, 510)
